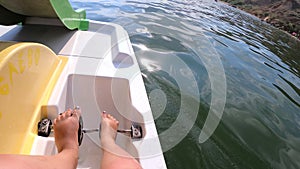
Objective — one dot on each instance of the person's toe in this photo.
(77, 113)
(110, 117)
(69, 113)
(60, 117)
(106, 115)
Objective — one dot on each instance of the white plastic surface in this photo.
(103, 51)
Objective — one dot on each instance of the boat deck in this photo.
(101, 74)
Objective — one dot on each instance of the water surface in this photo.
(260, 126)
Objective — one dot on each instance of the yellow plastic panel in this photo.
(28, 72)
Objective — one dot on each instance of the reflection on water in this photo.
(261, 121)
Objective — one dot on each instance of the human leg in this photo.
(65, 132)
(114, 157)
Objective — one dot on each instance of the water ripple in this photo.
(261, 121)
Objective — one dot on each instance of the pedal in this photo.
(135, 131)
(45, 127)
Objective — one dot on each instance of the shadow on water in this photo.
(261, 120)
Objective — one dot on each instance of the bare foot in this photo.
(109, 126)
(113, 155)
(66, 130)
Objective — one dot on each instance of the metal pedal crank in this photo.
(135, 131)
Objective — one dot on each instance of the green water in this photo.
(174, 41)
